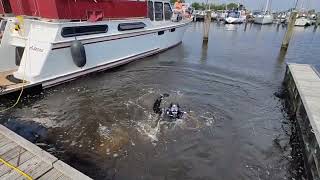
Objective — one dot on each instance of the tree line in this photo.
(203, 6)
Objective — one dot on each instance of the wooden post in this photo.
(246, 23)
(206, 26)
(288, 35)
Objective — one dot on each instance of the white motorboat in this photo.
(234, 17)
(49, 46)
(303, 21)
(265, 17)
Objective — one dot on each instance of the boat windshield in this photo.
(234, 14)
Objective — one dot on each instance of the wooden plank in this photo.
(12, 153)
(25, 156)
(4, 141)
(38, 170)
(45, 156)
(64, 177)
(53, 174)
(8, 147)
(34, 167)
(33, 161)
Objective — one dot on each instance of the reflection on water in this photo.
(235, 128)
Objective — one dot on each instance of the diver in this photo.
(170, 113)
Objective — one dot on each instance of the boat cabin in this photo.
(92, 10)
(75, 9)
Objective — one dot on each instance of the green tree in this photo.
(232, 6)
(173, 1)
(196, 6)
(215, 7)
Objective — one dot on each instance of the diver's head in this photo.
(174, 110)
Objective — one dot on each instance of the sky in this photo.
(276, 4)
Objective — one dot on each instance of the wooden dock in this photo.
(302, 82)
(20, 159)
(7, 86)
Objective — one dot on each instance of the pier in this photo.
(20, 159)
(302, 83)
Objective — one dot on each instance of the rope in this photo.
(16, 169)
(17, 101)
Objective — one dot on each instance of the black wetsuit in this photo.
(173, 112)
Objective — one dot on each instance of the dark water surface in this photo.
(235, 128)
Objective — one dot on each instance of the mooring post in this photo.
(288, 35)
(206, 26)
(246, 23)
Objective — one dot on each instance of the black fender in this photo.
(78, 53)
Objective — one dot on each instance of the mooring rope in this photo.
(15, 168)
(17, 101)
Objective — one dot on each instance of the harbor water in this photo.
(235, 127)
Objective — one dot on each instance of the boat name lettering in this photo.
(36, 49)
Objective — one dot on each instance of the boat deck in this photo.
(7, 86)
(20, 159)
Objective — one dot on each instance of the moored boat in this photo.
(234, 17)
(54, 41)
(303, 21)
(263, 19)
(266, 17)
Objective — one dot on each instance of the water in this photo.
(235, 128)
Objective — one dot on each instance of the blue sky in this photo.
(276, 4)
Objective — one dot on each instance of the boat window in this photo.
(234, 14)
(19, 54)
(161, 33)
(150, 10)
(3, 25)
(158, 8)
(83, 30)
(131, 26)
(167, 11)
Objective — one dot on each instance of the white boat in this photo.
(214, 15)
(265, 17)
(303, 21)
(222, 15)
(234, 17)
(47, 50)
(198, 15)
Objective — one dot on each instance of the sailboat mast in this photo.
(267, 6)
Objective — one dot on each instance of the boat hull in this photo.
(55, 62)
(231, 20)
(264, 19)
(302, 22)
